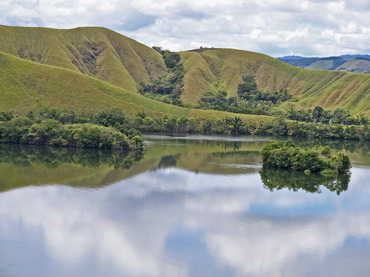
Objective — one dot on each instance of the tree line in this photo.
(108, 130)
(235, 125)
(113, 129)
(319, 115)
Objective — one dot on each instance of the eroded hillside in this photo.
(93, 51)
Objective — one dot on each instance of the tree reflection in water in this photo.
(52, 157)
(276, 179)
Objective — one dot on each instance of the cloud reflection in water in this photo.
(130, 228)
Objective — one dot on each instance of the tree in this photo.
(172, 59)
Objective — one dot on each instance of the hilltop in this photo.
(93, 68)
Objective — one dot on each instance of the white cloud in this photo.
(274, 27)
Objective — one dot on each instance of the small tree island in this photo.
(287, 155)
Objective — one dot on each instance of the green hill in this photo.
(93, 51)
(27, 86)
(67, 65)
(214, 69)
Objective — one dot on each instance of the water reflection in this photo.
(338, 145)
(179, 223)
(194, 215)
(52, 157)
(22, 165)
(275, 179)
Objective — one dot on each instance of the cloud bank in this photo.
(273, 27)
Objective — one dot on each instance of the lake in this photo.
(190, 206)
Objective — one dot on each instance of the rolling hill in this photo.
(214, 69)
(97, 52)
(27, 86)
(93, 68)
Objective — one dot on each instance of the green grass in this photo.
(224, 68)
(93, 51)
(27, 86)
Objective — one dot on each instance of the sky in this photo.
(273, 27)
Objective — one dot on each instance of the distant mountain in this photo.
(92, 69)
(291, 58)
(351, 63)
(349, 57)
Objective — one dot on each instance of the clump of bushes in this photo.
(106, 130)
(286, 155)
(249, 99)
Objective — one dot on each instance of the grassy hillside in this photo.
(65, 58)
(93, 51)
(29, 86)
(214, 69)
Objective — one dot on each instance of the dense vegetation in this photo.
(250, 99)
(167, 88)
(235, 125)
(287, 155)
(55, 127)
(108, 130)
(319, 115)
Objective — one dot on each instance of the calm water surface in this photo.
(193, 206)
